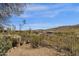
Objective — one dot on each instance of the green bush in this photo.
(5, 45)
(35, 41)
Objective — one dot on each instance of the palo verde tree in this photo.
(9, 9)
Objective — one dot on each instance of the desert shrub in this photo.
(35, 40)
(7, 42)
(44, 43)
(39, 40)
(16, 40)
(45, 40)
(66, 42)
(5, 45)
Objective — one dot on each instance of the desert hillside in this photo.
(57, 41)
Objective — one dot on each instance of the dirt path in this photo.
(25, 50)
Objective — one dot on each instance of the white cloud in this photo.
(49, 14)
(36, 7)
(38, 24)
(25, 16)
(69, 8)
(49, 11)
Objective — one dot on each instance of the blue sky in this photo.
(46, 15)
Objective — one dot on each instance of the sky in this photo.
(47, 15)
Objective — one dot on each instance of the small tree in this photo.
(22, 24)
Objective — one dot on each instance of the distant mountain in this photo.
(71, 28)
